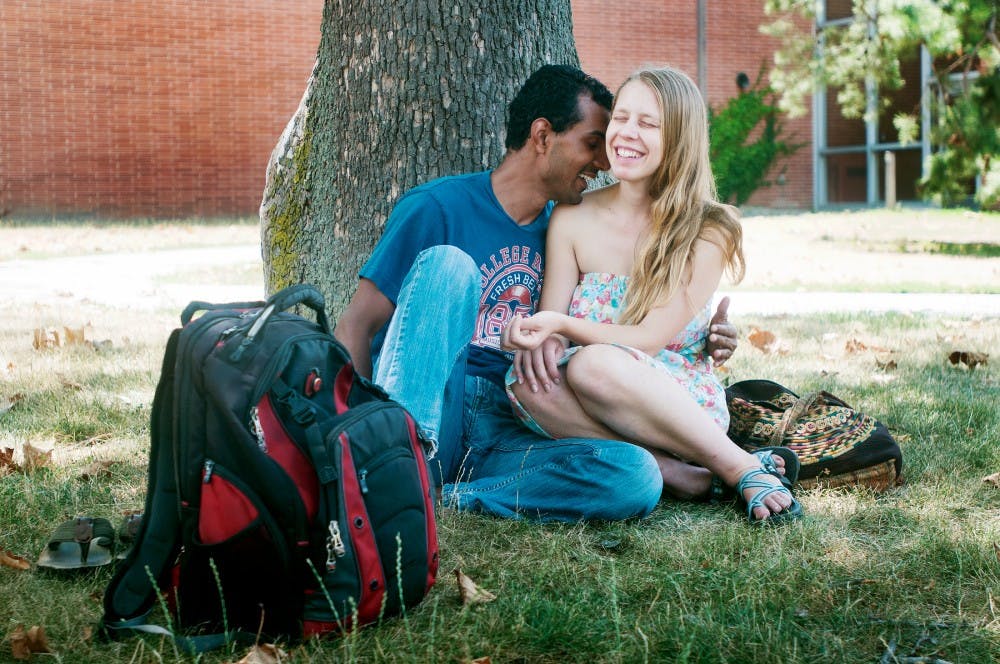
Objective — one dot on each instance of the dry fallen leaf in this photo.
(87, 633)
(7, 463)
(993, 479)
(855, 346)
(35, 458)
(470, 592)
(10, 402)
(99, 468)
(887, 365)
(969, 358)
(8, 559)
(46, 337)
(74, 336)
(23, 644)
(479, 660)
(858, 346)
(761, 339)
(766, 341)
(264, 653)
(69, 384)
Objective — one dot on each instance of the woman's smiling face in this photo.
(634, 139)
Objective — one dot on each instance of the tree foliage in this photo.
(960, 36)
(744, 143)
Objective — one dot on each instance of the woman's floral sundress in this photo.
(600, 297)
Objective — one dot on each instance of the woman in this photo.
(636, 265)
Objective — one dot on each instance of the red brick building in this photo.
(614, 41)
(129, 108)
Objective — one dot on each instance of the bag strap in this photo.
(131, 592)
(792, 415)
(304, 415)
(191, 645)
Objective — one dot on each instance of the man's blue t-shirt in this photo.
(462, 211)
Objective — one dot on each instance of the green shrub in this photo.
(741, 163)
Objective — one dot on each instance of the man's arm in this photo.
(722, 334)
(365, 315)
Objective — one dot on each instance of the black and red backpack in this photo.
(287, 495)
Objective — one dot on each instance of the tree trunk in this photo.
(401, 93)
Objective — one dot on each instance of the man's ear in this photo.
(541, 135)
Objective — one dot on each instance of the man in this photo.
(460, 256)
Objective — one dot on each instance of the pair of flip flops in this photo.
(85, 542)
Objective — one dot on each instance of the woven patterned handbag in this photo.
(837, 445)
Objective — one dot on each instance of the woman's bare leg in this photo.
(559, 412)
(639, 403)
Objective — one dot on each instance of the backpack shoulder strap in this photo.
(132, 592)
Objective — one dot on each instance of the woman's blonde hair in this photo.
(684, 206)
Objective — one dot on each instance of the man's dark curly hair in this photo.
(552, 92)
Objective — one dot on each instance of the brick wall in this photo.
(132, 108)
(612, 41)
(135, 108)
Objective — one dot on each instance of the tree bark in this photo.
(401, 93)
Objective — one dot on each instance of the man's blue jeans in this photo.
(486, 459)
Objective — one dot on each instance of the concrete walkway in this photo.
(776, 303)
(160, 278)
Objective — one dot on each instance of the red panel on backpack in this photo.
(359, 526)
(288, 455)
(432, 545)
(225, 511)
(342, 387)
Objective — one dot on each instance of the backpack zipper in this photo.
(334, 545)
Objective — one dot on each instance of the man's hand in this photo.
(540, 365)
(722, 340)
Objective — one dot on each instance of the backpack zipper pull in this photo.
(362, 481)
(257, 429)
(209, 466)
(334, 545)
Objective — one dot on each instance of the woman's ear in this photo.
(541, 135)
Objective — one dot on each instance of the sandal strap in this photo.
(749, 481)
(83, 530)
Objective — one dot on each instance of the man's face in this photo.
(577, 153)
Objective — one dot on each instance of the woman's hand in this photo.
(528, 333)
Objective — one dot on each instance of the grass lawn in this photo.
(914, 572)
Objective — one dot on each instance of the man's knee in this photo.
(453, 267)
(446, 276)
(635, 486)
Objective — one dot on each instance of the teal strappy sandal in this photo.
(792, 464)
(748, 481)
(719, 492)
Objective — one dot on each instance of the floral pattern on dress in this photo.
(600, 297)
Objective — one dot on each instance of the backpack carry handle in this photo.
(194, 307)
(305, 294)
(284, 299)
